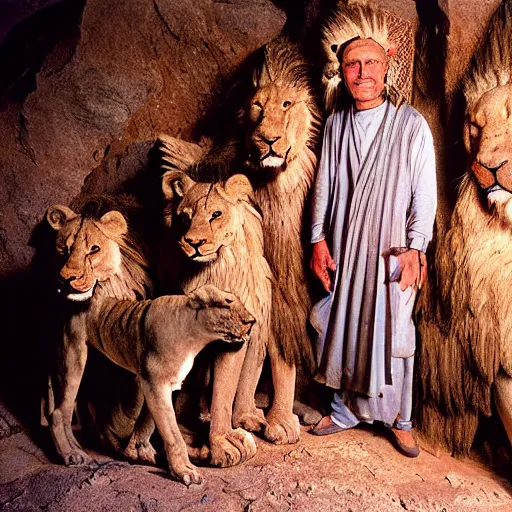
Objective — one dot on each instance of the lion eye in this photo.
(286, 104)
(94, 249)
(474, 131)
(216, 214)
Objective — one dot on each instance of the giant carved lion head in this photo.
(488, 123)
(207, 215)
(281, 115)
(488, 140)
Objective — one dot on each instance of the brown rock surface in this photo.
(135, 69)
(354, 471)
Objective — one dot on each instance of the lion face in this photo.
(279, 120)
(89, 248)
(222, 314)
(488, 140)
(207, 213)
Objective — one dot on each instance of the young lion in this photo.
(221, 235)
(156, 339)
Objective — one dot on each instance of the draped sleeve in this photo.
(424, 192)
(322, 189)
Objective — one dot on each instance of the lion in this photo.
(466, 318)
(281, 125)
(220, 232)
(103, 275)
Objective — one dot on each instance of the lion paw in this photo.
(140, 451)
(185, 472)
(283, 428)
(77, 458)
(232, 448)
(252, 421)
(198, 453)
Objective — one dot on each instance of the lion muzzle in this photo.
(488, 175)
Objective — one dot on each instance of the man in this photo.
(374, 206)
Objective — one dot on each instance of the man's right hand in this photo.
(321, 261)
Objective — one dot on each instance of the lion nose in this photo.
(195, 243)
(270, 140)
(493, 169)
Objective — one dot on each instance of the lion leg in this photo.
(228, 447)
(139, 447)
(158, 397)
(245, 413)
(71, 369)
(503, 395)
(283, 425)
(123, 416)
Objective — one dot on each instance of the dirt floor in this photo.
(357, 470)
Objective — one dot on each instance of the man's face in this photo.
(364, 65)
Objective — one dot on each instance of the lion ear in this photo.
(113, 224)
(175, 184)
(57, 215)
(239, 187)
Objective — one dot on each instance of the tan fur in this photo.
(223, 239)
(466, 314)
(283, 77)
(156, 340)
(282, 107)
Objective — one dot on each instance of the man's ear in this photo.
(57, 215)
(175, 184)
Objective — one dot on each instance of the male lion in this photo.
(102, 275)
(281, 126)
(220, 232)
(466, 327)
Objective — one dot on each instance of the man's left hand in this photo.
(414, 268)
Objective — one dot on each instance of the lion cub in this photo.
(220, 232)
(103, 273)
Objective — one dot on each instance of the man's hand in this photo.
(414, 268)
(320, 262)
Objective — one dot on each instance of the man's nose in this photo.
(363, 72)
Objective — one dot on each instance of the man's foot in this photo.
(404, 442)
(325, 427)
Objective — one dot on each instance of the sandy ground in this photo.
(357, 470)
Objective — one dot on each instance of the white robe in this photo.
(375, 190)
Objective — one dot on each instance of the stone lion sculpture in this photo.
(466, 316)
(220, 232)
(103, 275)
(281, 124)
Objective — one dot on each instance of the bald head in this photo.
(364, 64)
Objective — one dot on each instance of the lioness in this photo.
(155, 339)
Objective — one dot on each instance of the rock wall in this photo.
(132, 70)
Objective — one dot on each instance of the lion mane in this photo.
(281, 124)
(465, 314)
(282, 197)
